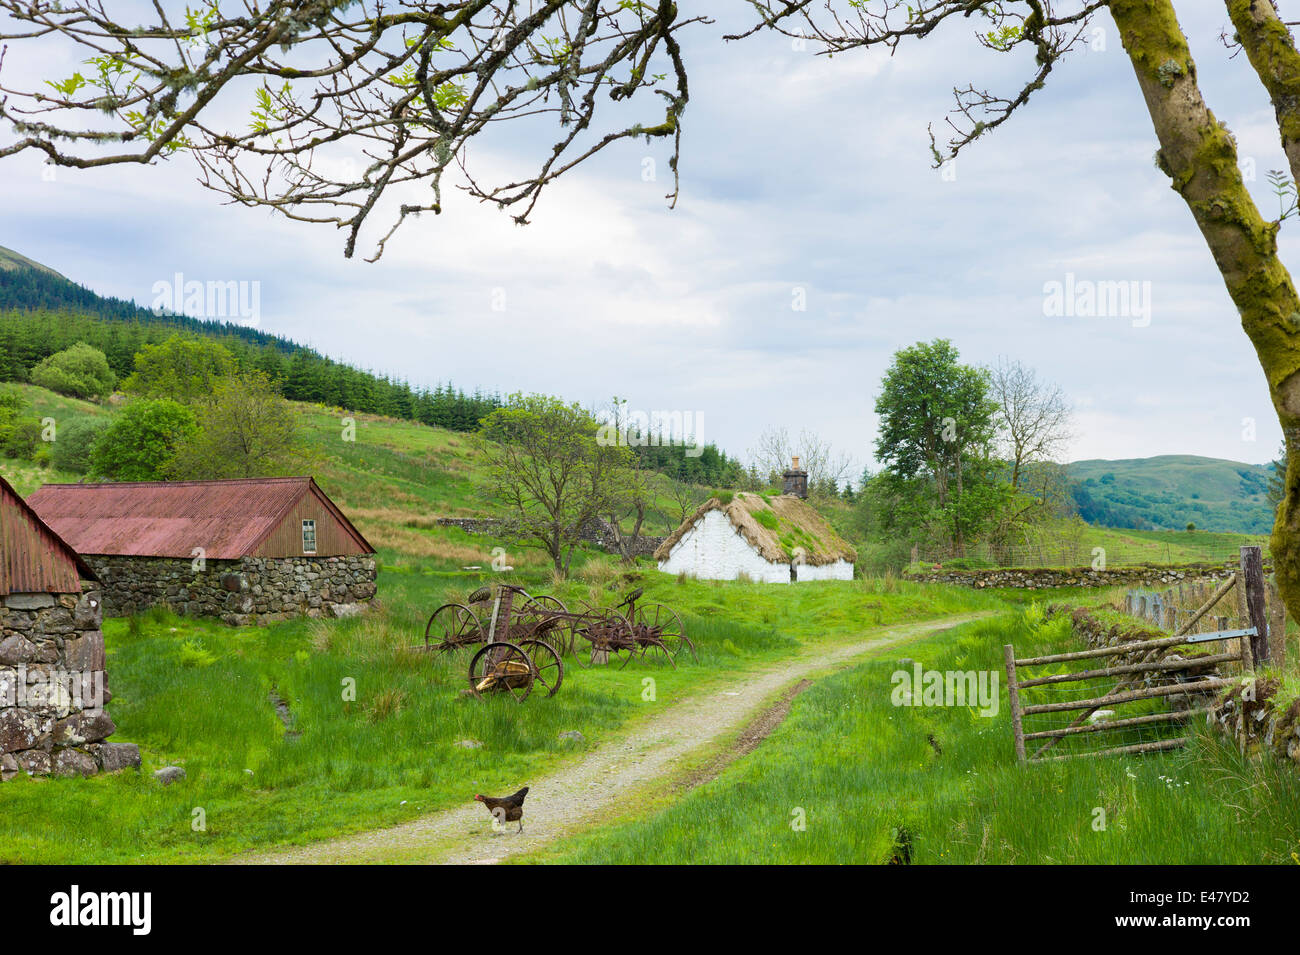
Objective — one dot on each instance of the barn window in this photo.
(309, 537)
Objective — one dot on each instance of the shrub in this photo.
(142, 440)
(75, 442)
(80, 371)
(19, 437)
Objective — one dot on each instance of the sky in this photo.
(803, 179)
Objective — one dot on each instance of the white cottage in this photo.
(776, 539)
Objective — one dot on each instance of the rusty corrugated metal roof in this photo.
(227, 519)
(33, 558)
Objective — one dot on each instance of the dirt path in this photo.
(583, 792)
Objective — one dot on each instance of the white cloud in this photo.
(797, 171)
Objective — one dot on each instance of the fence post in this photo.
(1252, 577)
(1013, 697)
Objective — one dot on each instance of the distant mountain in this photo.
(1169, 491)
(30, 286)
(11, 261)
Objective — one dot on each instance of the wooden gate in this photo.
(1143, 688)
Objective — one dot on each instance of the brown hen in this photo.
(506, 808)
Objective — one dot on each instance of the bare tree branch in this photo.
(1008, 25)
(347, 102)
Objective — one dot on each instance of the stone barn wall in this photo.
(251, 590)
(53, 688)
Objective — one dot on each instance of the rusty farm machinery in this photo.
(522, 639)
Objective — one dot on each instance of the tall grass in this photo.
(375, 726)
(863, 774)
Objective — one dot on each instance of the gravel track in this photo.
(582, 793)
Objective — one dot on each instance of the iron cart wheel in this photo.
(560, 635)
(545, 618)
(600, 629)
(501, 668)
(452, 627)
(548, 668)
(666, 623)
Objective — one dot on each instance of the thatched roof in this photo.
(796, 524)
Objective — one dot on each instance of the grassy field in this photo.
(874, 783)
(304, 730)
(203, 696)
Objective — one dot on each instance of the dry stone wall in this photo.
(251, 590)
(53, 688)
(1039, 578)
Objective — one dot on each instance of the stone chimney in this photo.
(795, 480)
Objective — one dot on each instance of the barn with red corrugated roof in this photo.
(255, 550)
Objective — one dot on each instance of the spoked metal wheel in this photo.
(655, 651)
(452, 627)
(545, 618)
(548, 603)
(582, 629)
(625, 654)
(548, 668)
(666, 623)
(501, 668)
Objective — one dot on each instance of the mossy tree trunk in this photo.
(1200, 157)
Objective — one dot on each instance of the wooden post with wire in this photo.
(1252, 576)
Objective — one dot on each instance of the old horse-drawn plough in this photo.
(522, 639)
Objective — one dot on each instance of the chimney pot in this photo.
(795, 480)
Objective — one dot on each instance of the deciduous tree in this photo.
(550, 474)
(826, 467)
(936, 423)
(141, 441)
(183, 368)
(1033, 417)
(245, 430)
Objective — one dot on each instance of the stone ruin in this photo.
(53, 688)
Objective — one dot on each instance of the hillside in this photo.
(41, 312)
(1169, 491)
(394, 481)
